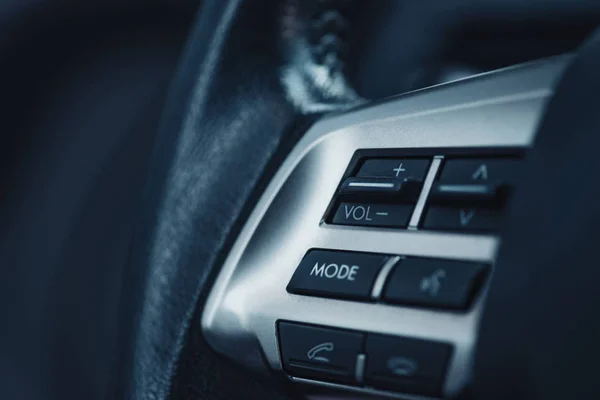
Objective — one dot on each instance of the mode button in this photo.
(340, 274)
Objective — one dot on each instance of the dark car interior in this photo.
(299, 199)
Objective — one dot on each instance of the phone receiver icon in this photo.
(402, 366)
(313, 354)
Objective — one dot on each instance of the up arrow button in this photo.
(480, 170)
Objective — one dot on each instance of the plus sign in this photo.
(398, 170)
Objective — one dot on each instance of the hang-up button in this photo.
(406, 364)
(340, 274)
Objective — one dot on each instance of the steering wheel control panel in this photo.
(395, 363)
(458, 193)
(364, 265)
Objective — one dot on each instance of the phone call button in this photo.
(318, 352)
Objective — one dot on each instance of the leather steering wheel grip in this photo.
(248, 84)
(540, 330)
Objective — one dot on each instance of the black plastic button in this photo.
(406, 365)
(337, 274)
(480, 170)
(373, 215)
(321, 353)
(397, 168)
(463, 219)
(434, 283)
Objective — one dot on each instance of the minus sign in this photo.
(381, 213)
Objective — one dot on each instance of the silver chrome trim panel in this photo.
(361, 390)
(359, 373)
(499, 109)
(427, 184)
(382, 277)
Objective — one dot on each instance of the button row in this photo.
(386, 362)
(469, 194)
(433, 283)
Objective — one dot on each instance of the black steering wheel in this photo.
(268, 170)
